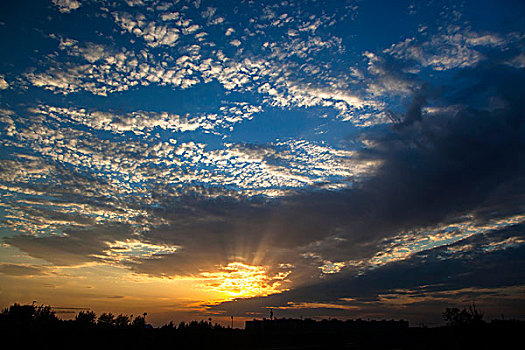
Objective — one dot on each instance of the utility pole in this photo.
(232, 321)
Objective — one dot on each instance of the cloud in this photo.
(517, 61)
(235, 42)
(107, 70)
(68, 155)
(452, 47)
(20, 270)
(415, 287)
(458, 166)
(414, 160)
(67, 78)
(135, 2)
(3, 83)
(429, 170)
(66, 6)
(80, 246)
(174, 25)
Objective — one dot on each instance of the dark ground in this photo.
(499, 335)
(37, 327)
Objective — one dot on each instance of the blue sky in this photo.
(307, 148)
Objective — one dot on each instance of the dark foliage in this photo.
(25, 315)
(469, 316)
(37, 327)
(86, 318)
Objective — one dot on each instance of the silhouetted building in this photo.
(292, 324)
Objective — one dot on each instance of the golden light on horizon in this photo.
(239, 280)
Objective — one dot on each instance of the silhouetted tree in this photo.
(44, 315)
(18, 314)
(168, 326)
(23, 315)
(86, 318)
(139, 322)
(122, 321)
(106, 320)
(468, 316)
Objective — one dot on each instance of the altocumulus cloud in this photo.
(184, 139)
(438, 169)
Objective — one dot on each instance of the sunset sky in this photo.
(196, 159)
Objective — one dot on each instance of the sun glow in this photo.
(238, 280)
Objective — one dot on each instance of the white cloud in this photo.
(131, 250)
(3, 83)
(143, 122)
(235, 42)
(67, 78)
(406, 245)
(153, 33)
(135, 2)
(66, 6)
(453, 47)
(110, 70)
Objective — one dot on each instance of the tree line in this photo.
(39, 327)
(18, 315)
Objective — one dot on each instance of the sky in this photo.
(203, 159)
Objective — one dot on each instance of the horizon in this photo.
(198, 159)
(227, 322)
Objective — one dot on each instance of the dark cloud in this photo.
(436, 169)
(432, 280)
(77, 247)
(460, 164)
(21, 270)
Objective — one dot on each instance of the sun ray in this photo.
(239, 280)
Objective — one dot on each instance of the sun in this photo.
(239, 280)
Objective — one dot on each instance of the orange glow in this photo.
(238, 280)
